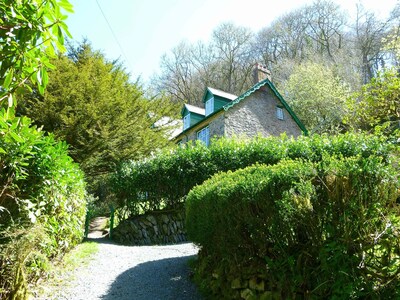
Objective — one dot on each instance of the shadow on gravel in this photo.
(160, 279)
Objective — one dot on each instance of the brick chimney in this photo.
(260, 73)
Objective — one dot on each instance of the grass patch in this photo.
(63, 272)
(79, 256)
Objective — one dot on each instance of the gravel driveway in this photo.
(135, 272)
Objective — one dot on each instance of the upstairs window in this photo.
(279, 113)
(186, 121)
(204, 135)
(210, 106)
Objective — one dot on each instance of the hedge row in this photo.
(42, 202)
(302, 229)
(166, 178)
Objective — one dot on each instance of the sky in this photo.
(139, 32)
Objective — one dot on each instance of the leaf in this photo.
(8, 79)
(45, 77)
(13, 14)
(29, 204)
(16, 137)
(39, 76)
(65, 29)
(66, 6)
(32, 217)
(41, 89)
(10, 100)
(60, 35)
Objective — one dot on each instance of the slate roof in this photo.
(195, 109)
(236, 100)
(221, 94)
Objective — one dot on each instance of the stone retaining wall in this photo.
(162, 227)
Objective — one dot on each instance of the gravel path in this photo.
(135, 272)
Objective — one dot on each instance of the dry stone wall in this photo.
(162, 227)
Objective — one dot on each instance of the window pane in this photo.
(186, 121)
(279, 113)
(204, 135)
(209, 106)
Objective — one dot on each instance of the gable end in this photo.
(277, 94)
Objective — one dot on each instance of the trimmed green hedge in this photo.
(166, 178)
(315, 230)
(42, 202)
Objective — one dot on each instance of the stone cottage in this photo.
(260, 110)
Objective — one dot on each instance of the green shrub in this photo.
(325, 229)
(40, 187)
(248, 195)
(166, 178)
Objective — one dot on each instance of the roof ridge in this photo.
(222, 93)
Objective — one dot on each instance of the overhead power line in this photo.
(114, 35)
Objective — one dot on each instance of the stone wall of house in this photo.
(216, 125)
(163, 227)
(257, 114)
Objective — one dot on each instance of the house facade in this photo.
(260, 110)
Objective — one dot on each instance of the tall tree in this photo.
(320, 32)
(180, 72)
(317, 96)
(232, 45)
(283, 44)
(369, 34)
(325, 26)
(225, 63)
(91, 104)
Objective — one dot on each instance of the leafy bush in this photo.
(166, 178)
(327, 229)
(40, 187)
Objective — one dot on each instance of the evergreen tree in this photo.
(91, 103)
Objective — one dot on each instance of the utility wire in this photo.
(114, 35)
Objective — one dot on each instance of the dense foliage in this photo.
(317, 96)
(42, 187)
(166, 178)
(377, 106)
(307, 230)
(31, 31)
(42, 191)
(91, 104)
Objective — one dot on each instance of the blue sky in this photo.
(146, 29)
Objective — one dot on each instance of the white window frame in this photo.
(186, 121)
(210, 106)
(279, 113)
(204, 135)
